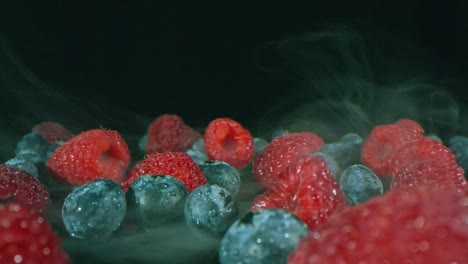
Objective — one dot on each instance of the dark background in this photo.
(199, 60)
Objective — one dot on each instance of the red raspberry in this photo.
(431, 172)
(411, 126)
(384, 141)
(281, 152)
(226, 140)
(177, 164)
(169, 133)
(52, 132)
(93, 154)
(306, 189)
(422, 149)
(22, 187)
(404, 225)
(26, 237)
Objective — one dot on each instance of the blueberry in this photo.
(278, 132)
(197, 151)
(32, 147)
(434, 136)
(265, 236)
(210, 209)
(346, 151)
(459, 147)
(153, 200)
(53, 147)
(222, 174)
(24, 165)
(259, 145)
(94, 210)
(142, 143)
(359, 184)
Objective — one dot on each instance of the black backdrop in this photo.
(199, 59)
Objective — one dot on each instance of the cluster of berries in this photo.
(315, 202)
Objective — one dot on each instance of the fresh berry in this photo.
(197, 151)
(223, 174)
(459, 146)
(259, 145)
(153, 200)
(279, 132)
(306, 189)
(404, 225)
(229, 141)
(346, 151)
(32, 147)
(169, 133)
(24, 165)
(177, 164)
(384, 141)
(94, 209)
(27, 237)
(93, 154)
(281, 152)
(142, 143)
(359, 184)
(411, 126)
(430, 172)
(210, 209)
(265, 236)
(52, 132)
(422, 149)
(22, 187)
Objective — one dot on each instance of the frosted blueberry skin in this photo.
(142, 142)
(222, 174)
(24, 165)
(94, 210)
(32, 147)
(459, 147)
(210, 209)
(278, 133)
(153, 200)
(359, 184)
(346, 151)
(197, 151)
(259, 144)
(265, 236)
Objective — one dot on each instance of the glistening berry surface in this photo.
(227, 140)
(93, 154)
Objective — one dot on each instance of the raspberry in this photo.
(404, 225)
(52, 132)
(226, 140)
(22, 187)
(306, 189)
(422, 149)
(169, 133)
(384, 141)
(177, 164)
(281, 152)
(431, 172)
(26, 237)
(93, 154)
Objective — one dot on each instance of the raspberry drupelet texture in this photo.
(406, 225)
(26, 237)
(169, 133)
(52, 132)
(281, 152)
(306, 189)
(177, 164)
(227, 140)
(383, 142)
(22, 187)
(93, 154)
